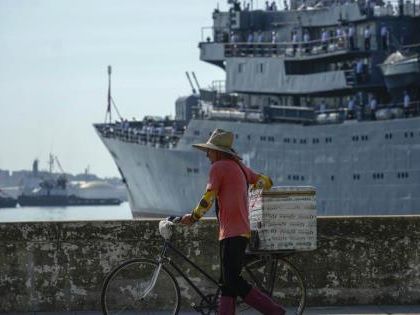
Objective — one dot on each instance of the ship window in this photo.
(378, 175)
(196, 170)
(328, 140)
(271, 139)
(261, 68)
(332, 177)
(408, 134)
(262, 138)
(388, 136)
(302, 178)
(402, 175)
(289, 177)
(189, 170)
(356, 176)
(196, 132)
(294, 140)
(240, 67)
(315, 140)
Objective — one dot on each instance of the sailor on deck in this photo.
(306, 39)
(372, 106)
(324, 39)
(367, 36)
(350, 108)
(294, 41)
(350, 33)
(406, 103)
(384, 37)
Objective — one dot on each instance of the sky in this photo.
(53, 72)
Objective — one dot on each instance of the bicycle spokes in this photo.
(279, 279)
(140, 287)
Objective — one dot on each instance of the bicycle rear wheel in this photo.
(278, 278)
(140, 286)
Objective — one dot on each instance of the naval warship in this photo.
(313, 96)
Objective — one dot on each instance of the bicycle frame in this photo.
(167, 246)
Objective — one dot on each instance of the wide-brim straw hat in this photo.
(220, 140)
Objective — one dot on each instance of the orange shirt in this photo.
(228, 181)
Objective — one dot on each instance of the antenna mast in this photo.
(108, 109)
(189, 80)
(51, 163)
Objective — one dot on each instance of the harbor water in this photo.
(85, 213)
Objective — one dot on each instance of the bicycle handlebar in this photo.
(165, 229)
(174, 219)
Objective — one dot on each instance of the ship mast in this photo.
(108, 109)
(110, 100)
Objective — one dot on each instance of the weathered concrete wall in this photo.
(61, 266)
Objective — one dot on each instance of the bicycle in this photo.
(142, 286)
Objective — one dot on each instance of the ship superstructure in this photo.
(307, 100)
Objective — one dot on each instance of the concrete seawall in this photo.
(57, 266)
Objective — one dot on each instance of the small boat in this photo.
(400, 70)
(53, 192)
(7, 201)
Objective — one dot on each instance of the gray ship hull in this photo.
(358, 168)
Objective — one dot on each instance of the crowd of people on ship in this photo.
(302, 42)
(367, 108)
(162, 133)
(166, 133)
(367, 7)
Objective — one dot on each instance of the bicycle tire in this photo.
(125, 284)
(288, 287)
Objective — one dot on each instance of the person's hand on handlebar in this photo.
(187, 219)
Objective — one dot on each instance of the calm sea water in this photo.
(31, 214)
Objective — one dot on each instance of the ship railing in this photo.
(399, 110)
(364, 112)
(218, 85)
(161, 139)
(288, 49)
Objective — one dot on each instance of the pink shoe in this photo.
(226, 305)
(263, 303)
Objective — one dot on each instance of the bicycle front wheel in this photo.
(279, 279)
(140, 286)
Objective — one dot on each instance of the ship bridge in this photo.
(317, 51)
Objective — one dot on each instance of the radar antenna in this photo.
(189, 80)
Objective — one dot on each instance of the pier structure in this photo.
(60, 266)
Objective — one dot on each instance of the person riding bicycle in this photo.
(228, 183)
